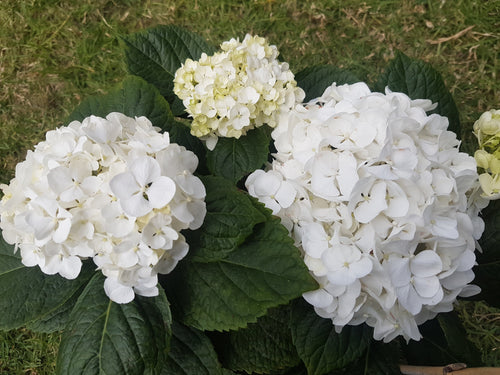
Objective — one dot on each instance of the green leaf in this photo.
(241, 264)
(155, 55)
(444, 341)
(234, 158)
(230, 219)
(191, 352)
(132, 97)
(456, 337)
(135, 97)
(29, 297)
(379, 359)
(56, 319)
(488, 268)
(262, 347)
(103, 337)
(420, 80)
(322, 349)
(382, 358)
(314, 80)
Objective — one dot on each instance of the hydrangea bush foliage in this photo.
(217, 213)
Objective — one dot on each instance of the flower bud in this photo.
(482, 159)
(488, 123)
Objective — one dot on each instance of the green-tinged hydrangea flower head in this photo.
(112, 189)
(238, 89)
(487, 131)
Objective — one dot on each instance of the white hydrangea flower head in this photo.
(382, 204)
(487, 131)
(235, 90)
(112, 189)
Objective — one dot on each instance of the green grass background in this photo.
(55, 53)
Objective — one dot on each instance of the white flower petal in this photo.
(426, 263)
(70, 267)
(426, 286)
(146, 291)
(318, 298)
(136, 205)
(399, 270)
(286, 194)
(118, 292)
(145, 170)
(161, 191)
(124, 185)
(62, 231)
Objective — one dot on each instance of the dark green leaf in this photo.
(106, 338)
(56, 319)
(230, 219)
(234, 158)
(383, 359)
(262, 347)
(456, 337)
(132, 97)
(444, 341)
(135, 97)
(28, 296)
(314, 80)
(379, 359)
(488, 268)
(419, 80)
(156, 54)
(241, 263)
(191, 352)
(486, 276)
(265, 271)
(322, 349)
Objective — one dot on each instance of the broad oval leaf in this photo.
(263, 347)
(30, 297)
(234, 158)
(191, 352)
(106, 338)
(155, 55)
(488, 268)
(228, 290)
(314, 80)
(322, 349)
(420, 80)
(230, 219)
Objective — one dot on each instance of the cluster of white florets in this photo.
(487, 131)
(115, 190)
(378, 197)
(238, 89)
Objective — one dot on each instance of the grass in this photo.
(482, 323)
(53, 53)
(28, 353)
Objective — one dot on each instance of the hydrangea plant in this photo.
(245, 219)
